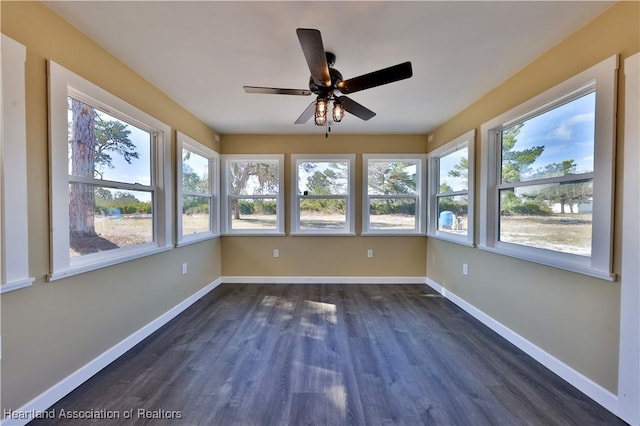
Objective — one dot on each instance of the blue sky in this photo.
(566, 132)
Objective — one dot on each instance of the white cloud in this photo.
(564, 130)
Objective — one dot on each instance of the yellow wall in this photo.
(573, 317)
(49, 330)
(326, 255)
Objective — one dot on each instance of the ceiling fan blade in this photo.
(376, 78)
(311, 42)
(307, 113)
(276, 91)
(356, 109)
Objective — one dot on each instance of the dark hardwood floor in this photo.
(327, 355)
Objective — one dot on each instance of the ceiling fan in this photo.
(326, 82)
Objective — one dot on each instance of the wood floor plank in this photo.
(329, 355)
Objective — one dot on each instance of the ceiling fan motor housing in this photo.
(326, 92)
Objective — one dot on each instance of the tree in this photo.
(92, 139)
(83, 154)
(570, 193)
(391, 178)
(112, 137)
(516, 164)
(461, 170)
(266, 174)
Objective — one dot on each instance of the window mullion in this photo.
(110, 183)
(545, 181)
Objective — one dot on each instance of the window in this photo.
(323, 190)
(393, 202)
(14, 265)
(451, 190)
(254, 198)
(111, 181)
(547, 191)
(197, 191)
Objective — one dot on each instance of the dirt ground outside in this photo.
(569, 233)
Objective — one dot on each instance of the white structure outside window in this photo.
(197, 193)
(253, 194)
(394, 194)
(323, 191)
(451, 194)
(14, 254)
(548, 174)
(111, 188)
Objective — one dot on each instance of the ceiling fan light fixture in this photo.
(338, 111)
(321, 112)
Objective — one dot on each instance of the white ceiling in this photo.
(201, 53)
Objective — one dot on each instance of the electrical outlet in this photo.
(465, 269)
(276, 253)
(369, 253)
(184, 268)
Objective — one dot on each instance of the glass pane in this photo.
(323, 214)
(556, 143)
(195, 172)
(452, 214)
(392, 213)
(195, 214)
(249, 213)
(323, 177)
(391, 177)
(554, 217)
(102, 219)
(454, 171)
(104, 147)
(254, 177)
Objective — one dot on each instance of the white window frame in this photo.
(190, 144)
(466, 140)
(420, 195)
(64, 83)
(14, 262)
(350, 197)
(227, 196)
(599, 264)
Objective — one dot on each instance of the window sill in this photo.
(195, 238)
(125, 257)
(553, 260)
(15, 285)
(393, 234)
(253, 234)
(452, 239)
(323, 234)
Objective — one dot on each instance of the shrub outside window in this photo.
(393, 201)
(197, 191)
(451, 195)
(110, 182)
(323, 190)
(253, 201)
(549, 178)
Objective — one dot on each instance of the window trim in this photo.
(350, 198)
(186, 142)
(420, 195)
(599, 265)
(226, 218)
(14, 263)
(467, 140)
(63, 83)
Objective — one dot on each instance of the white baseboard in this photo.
(585, 385)
(321, 280)
(52, 395)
